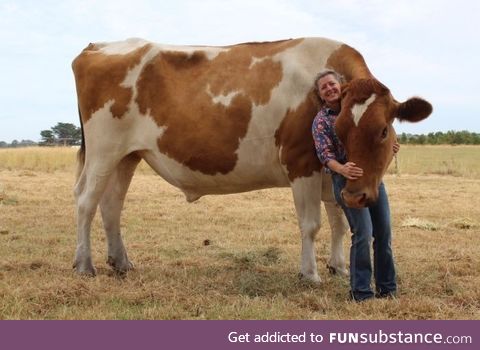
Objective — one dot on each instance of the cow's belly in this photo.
(248, 175)
(257, 162)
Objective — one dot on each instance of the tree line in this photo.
(441, 138)
(67, 134)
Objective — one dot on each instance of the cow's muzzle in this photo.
(356, 200)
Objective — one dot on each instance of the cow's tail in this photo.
(81, 151)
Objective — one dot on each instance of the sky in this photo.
(427, 48)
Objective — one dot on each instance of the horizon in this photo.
(408, 134)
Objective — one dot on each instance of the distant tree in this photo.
(439, 137)
(422, 139)
(67, 133)
(61, 134)
(48, 138)
(3, 144)
(476, 139)
(449, 137)
(432, 138)
(14, 143)
(466, 137)
(412, 139)
(457, 138)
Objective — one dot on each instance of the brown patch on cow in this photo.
(174, 88)
(295, 137)
(348, 62)
(98, 77)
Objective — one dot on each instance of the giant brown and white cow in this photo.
(217, 120)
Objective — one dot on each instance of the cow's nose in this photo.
(361, 200)
(354, 200)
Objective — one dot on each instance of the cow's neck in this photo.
(350, 63)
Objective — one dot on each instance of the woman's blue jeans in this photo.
(365, 224)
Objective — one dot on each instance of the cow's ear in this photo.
(413, 110)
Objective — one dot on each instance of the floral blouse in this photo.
(327, 144)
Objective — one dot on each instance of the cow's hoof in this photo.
(85, 269)
(311, 279)
(337, 270)
(121, 266)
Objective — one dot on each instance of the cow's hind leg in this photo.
(307, 196)
(111, 205)
(88, 190)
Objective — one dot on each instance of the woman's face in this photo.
(329, 90)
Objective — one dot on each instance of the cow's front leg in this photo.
(306, 195)
(308, 269)
(339, 226)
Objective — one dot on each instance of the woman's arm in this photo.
(324, 147)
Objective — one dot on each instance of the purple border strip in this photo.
(139, 335)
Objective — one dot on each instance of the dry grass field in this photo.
(248, 269)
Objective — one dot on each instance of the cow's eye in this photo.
(385, 133)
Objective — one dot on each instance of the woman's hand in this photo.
(350, 171)
(396, 147)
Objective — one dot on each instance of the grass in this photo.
(459, 161)
(233, 256)
(33, 159)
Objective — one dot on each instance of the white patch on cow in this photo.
(222, 99)
(122, 47)
(256, 60)
(210, 51)
(133, 74)
(127, 46)
(358, 109)
(125, 135)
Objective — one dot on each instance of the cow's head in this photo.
(364, 126)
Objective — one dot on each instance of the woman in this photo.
(366, 223)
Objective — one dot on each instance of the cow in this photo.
(218, 120)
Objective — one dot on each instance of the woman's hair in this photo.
(338, 77)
